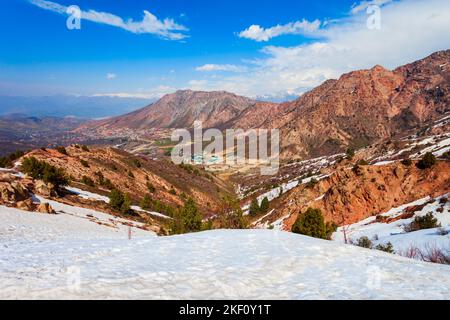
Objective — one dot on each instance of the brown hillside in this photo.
(350, 195)
(172, 183)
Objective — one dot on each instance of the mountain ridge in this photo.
(359, 108)
(180, 109)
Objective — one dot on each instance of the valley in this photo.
(364, 175)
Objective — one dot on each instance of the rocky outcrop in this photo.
(351, 195)
(26, 205)
(44, 189)
(11, 190)
(16, 192)
(45, 208)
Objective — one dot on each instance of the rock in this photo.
(6, 177)
(13, 192)
(26, 205)
(20, 191)
(44, 189)
(45, 208)
(399, 172)
(5, 192)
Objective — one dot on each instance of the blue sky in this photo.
(207, 45)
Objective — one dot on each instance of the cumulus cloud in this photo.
(258, 33)
(166, 29)
(410, 30)
(221, 67)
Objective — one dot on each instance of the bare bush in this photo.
(411, 252)
(429, 253)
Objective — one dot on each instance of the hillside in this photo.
(392, 227)
(350, 189)
(170, 184)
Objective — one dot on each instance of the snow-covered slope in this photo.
(70, 223)
(437, 144)
(62, 256)
(94, 196)
(394, 232)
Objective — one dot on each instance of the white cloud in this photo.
(111, 76)
(166, 29)
(152, 93)
(221, 67)
(410, 30)
(198, 85)
(258, 33)
(363, 5)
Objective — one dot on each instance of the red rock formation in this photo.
(351, 195)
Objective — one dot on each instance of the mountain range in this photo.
(355, 110)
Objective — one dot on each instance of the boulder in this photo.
(45, 208)
(26, 205)
(44, 189)
(13, 192)
(20, 191)
(5, 192)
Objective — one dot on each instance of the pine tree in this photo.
(231, 215)
(350, 152)
(146, 202)
(254, 207)
(311, 223)
(116, 199)
(364, 242)
(427, 161)
(126, 205)
(264, 205)
(43, 171)
(191, 217)
(187, 219)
